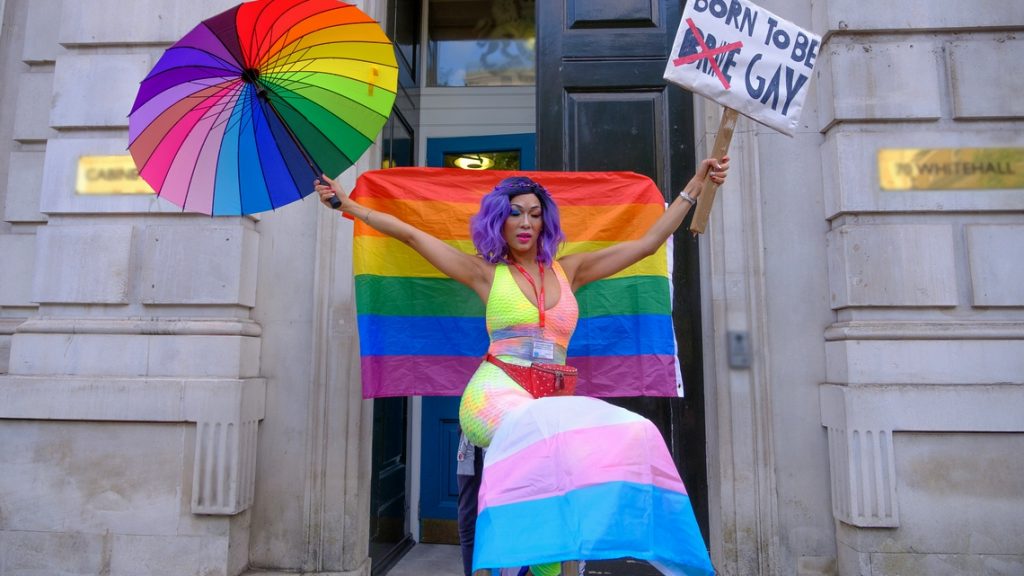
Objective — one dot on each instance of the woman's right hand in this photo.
(329, 189)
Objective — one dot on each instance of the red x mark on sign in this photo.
(707, 53)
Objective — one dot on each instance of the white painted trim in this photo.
(415, 464)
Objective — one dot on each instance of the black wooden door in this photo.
(602, 105)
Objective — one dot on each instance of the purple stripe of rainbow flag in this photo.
(423, 334)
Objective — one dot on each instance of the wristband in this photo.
(688, 198)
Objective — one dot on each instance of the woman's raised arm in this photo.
(470, 270)
(586, 267)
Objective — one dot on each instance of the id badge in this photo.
(543, 350)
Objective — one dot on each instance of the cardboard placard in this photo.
(746, 58)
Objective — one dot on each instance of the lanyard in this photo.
(539, 297)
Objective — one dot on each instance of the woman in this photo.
(531, 313)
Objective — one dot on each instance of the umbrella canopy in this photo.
(241, 114)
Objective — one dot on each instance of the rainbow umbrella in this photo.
(241, 114)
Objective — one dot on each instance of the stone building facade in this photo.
(179, 395)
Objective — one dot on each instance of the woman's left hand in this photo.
(711, 169)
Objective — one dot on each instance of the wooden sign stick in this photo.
(707, 193)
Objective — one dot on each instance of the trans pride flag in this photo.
(423, 334)
(578, 478)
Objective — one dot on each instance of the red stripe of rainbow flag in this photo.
(423, 334)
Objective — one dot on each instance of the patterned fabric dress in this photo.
(568, 478)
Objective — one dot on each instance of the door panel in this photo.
(439, 488)
(603, 105)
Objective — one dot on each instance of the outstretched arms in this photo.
(469, 270)
(586, 267)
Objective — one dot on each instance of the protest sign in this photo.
(746, 59)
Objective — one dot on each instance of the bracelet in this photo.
(688, 198)
(367, 217)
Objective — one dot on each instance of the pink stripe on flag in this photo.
(387, 376)
(617, 376)
(556, 465)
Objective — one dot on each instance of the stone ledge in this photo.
(922, 362)
(923, 330)
(130, 399)
(834, 16)
(924, 408)
(142, 326)
(363, 570)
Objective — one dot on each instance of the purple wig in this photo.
(487, 224)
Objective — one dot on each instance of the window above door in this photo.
(481, 43)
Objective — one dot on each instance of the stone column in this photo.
(925, 378)
(129, 413)
(765, 267)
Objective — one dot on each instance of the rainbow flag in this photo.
(423, 334)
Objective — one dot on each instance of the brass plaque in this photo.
(109, 175)
(951, 168)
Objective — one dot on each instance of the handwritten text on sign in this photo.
(744, 57)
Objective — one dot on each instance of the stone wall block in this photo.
(854, 15)
(21, 202)
(892, 265)
(144, 555)
(91, 477)
(32, 111)
(113, 355)
(17, 260)
(106, 22)
(925, 361)
(131, 355)
(41, 44)
(199, 265)
(61, 169)
(83, 264)
(204, 356)
(995, 280)
(868, 81)
(976, 478)
(983, 75)
(851, 181)
(105, 102)
(29, 552)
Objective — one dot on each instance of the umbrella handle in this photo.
(335, 203)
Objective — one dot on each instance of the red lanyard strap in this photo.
(539, 297)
